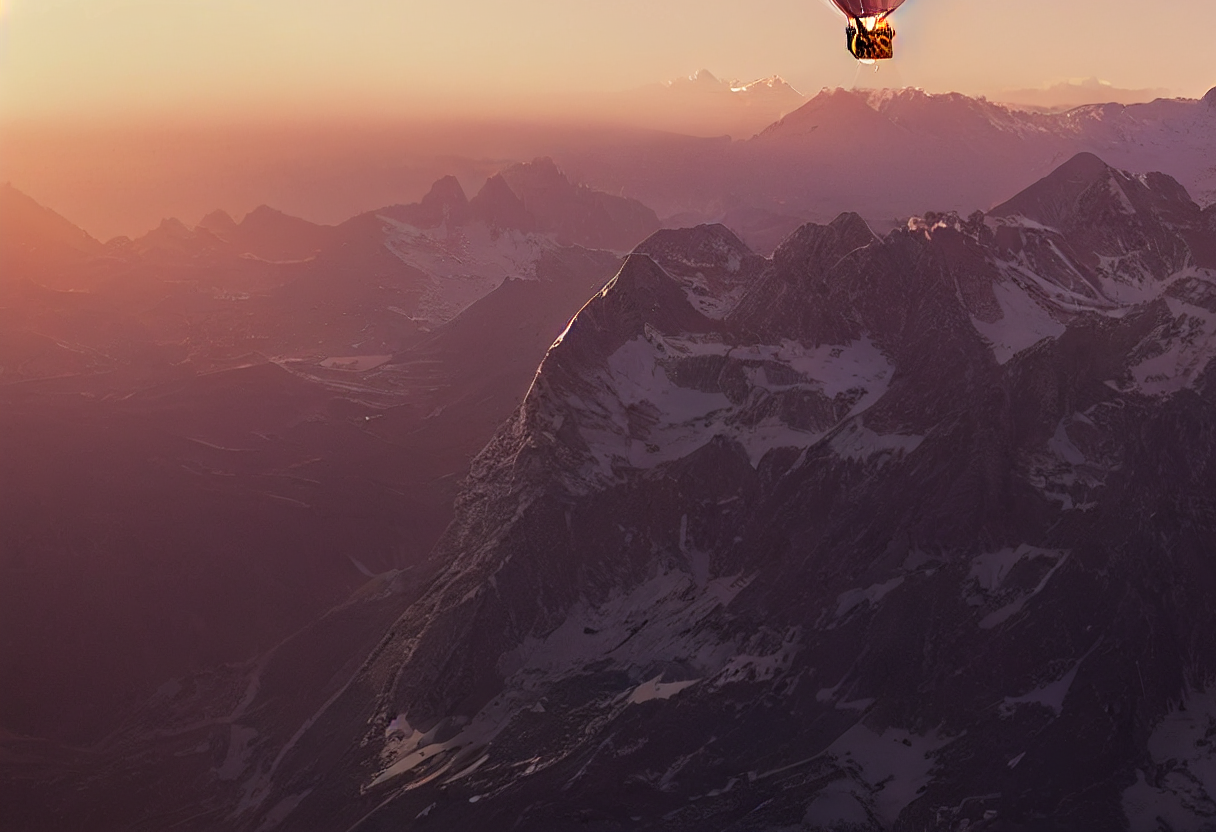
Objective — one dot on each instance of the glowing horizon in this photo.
(121, 112)
(109, 59)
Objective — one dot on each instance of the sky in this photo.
(118, 113)
(90, 59)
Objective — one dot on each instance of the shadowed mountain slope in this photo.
(878, 533)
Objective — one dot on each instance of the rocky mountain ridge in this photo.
(895, 533)
(890, 533)
(437, 256)
(885, 154)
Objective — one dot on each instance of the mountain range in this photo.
(702, 104)
(885, 154)
(229, 427)
(1076, 92)
(874, 533)
(889, 519)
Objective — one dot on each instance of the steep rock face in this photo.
(444, 203)
(1107, 214)
(499, 207)
(899, 533)
(715, 267)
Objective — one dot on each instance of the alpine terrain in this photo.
(910, 532)
(887, 153)
(211, 436)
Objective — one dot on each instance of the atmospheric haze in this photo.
(601, 415)
(118, 57)
(121, 112)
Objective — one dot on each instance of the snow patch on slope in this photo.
(884, 773)
(1179, 791)
(1180, 353)
(1050, 695)
(646, 624)
(662, 621)
(713, 295)
(871, 595)
(833, 368)
(990, 571)
(464, 264)
(657, 689)
(755, 667)
(1062, 446)
(1024, 322)
(239, 754)
(859, 443)
(645, 418)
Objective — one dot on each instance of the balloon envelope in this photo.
(867, 8)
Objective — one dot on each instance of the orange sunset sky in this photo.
(71, 66)
(129, 56)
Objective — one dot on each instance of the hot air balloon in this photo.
(870, 35)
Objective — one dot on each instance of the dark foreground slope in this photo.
(903, 533)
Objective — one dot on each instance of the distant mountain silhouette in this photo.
(887, 153)
(1067, 95)
(32, 231)
(703, 105)
(173, 239)
(444, 203)
(498, 207)
(219, 223)
(269, 233)
(577, 214)
(534, 197)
